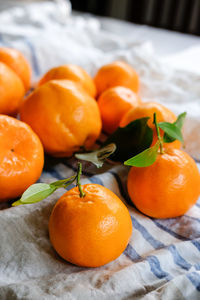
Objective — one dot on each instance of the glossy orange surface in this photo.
(21, 157)
(114, 74)
(11, 90)
(147, 109)
(90, 231)
(74, 73)
(114, 103)
(63, 115)
(168, 188)
(18, 63)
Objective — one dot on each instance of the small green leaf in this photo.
(36, 193)
(97, 157)
(180, 120)
(131, 139)
(178, 123)
(63, 182)
(145, 158)
(16, 203)
(171, 130)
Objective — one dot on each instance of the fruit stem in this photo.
(79, 172)
(158, 133)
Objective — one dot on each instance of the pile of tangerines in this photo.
(89, 225)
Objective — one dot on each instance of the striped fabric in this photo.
(162, 259)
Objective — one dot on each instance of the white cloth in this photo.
(162, 258)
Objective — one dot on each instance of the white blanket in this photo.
(162, 260)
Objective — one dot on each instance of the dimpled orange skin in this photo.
(114, 74)
(11, 91)
(114, 103)
(168, 188)
(18, 63)
(64, 116)
(21, 157)
(147, 109)
(71, 72)
(90, 231)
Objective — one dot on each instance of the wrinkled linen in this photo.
(162, 260)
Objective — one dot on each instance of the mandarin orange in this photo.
(90, 231)
(18, 63)
(114, 103)
(11, 90)
(167, 188)
(114, 74)
(63, 115)
(71, 72)
(147, 109)
(21, 157)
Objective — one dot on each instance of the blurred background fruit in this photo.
(114, 103)
(71, 72)
(114, 74)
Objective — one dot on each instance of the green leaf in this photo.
(39, 191)
(131, 139)
(97, 157)
(171, 130)
(36, 193)
(178, 123)
(145, 158)
(63, 182)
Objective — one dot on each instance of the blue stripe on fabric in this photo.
(147, 236)
(33, 56)
(96, 180)
(192, 218)
(194, 277)
(198, 204)
(178, 259)
(152, 261)
(56, 174)
(156, 268)
(176, 235)
(131, 253)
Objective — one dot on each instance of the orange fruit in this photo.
(21, 157)
(90, 231)
(11, 90)
(63, 115)
(71, 72)
(17, 62)
(114, 74)
(166, 189)
(114, 103)
(147, 109)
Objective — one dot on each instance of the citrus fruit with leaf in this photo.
(21, 157)
(163, 182)
(71, 72)
(117, 73)
(16, 61)
(114, 103)
(89, 226)
(147, 109)
(64, 116)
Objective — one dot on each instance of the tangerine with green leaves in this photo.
(147, 109)
(168, 187)
(114, 103)
(21, 157)
(117, 73)
(92, 230)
